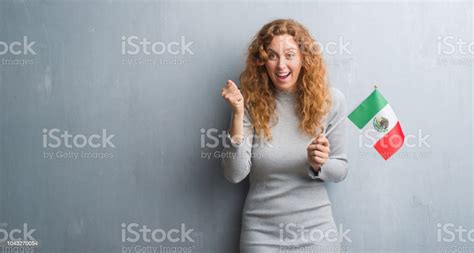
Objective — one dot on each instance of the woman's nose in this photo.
(282, 63)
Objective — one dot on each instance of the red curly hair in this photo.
(314, 100)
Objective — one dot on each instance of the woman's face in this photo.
(284, 62)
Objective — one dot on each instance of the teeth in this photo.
(283, 75)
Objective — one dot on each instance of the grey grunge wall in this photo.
(112, 122)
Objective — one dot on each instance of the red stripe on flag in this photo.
(391, 142)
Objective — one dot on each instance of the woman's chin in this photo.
(287, 86)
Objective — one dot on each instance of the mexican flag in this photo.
(376, 115)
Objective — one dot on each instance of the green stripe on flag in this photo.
(367, 109)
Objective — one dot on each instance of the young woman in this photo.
(285, 103)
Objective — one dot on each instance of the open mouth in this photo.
(283, 76)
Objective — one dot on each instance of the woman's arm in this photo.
(237, 152)
(335, 168)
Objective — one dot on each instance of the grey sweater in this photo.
(285, 194)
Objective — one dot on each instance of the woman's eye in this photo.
(289, 56)
(271, 56)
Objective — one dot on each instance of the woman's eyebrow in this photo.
(288, 49)
(270, 49)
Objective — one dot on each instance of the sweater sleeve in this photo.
(237, 157)
(335, 168)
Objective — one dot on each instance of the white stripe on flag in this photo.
(388, 113)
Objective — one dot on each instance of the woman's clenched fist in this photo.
(318, 152)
